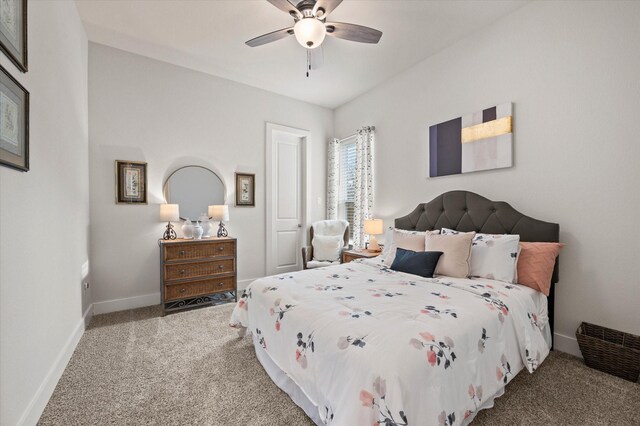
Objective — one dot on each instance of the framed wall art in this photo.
(479, 141)
(245, 190)
(131, 182)
(14, 123)
(13, 31)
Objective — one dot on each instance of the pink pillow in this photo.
(408, 240)
(535, 265)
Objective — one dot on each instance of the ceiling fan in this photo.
(311, 26)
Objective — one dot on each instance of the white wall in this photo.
(44, 217)
(146, 110)
(573, 73)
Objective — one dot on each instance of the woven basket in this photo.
(611, 351)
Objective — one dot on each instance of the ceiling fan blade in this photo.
(287, 7)
(269, 37)
(326, 5)
(353, 32)
(317, 58)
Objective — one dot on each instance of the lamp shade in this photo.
(219, 213)
(309, 32)
(373, 226)
(169, 212)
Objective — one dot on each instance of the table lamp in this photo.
(220, 213)
(373, 227)
(169, 213)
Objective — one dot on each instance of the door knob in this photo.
(299, 225)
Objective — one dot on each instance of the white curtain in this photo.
(363, 204)
(333, 179)
(363, 198)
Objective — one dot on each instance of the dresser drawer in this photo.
(201, 250)
(179, 271)
(198, 288)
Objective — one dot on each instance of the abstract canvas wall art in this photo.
(479, 141)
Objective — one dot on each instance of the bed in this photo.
(359, 343)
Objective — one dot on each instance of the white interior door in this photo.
(286, 219)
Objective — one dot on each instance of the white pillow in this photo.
(408, 240)
(493, 256)
(388, 238)
(327, 247)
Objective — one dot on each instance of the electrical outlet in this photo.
(86, 285)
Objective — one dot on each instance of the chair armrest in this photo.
(307, 255)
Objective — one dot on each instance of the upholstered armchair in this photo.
(325, 228)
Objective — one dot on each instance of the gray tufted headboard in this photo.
(466, 211)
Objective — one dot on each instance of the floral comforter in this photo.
(371, 346)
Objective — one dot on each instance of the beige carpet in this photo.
(190, 368)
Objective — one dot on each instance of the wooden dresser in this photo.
(197, 272)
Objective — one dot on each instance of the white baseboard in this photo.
(242, 284)
(566, 344)
(115, 305)
(39, 401)
(126, 303)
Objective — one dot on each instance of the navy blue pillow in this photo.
(421, 263)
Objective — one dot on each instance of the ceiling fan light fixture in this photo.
(309, 32)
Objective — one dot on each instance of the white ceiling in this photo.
(209, 36)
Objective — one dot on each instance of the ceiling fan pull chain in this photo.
(308, 61)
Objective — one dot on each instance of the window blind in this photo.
(347, 181)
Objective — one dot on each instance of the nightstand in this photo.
(349, 255)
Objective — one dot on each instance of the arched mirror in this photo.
(194, 188)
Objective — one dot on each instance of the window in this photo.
(347, 181)
(350, 181)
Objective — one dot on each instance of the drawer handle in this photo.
(182, 252)
(182, 271)
(182, 290)
(221, 248)
(220, 266)
(220, 284)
